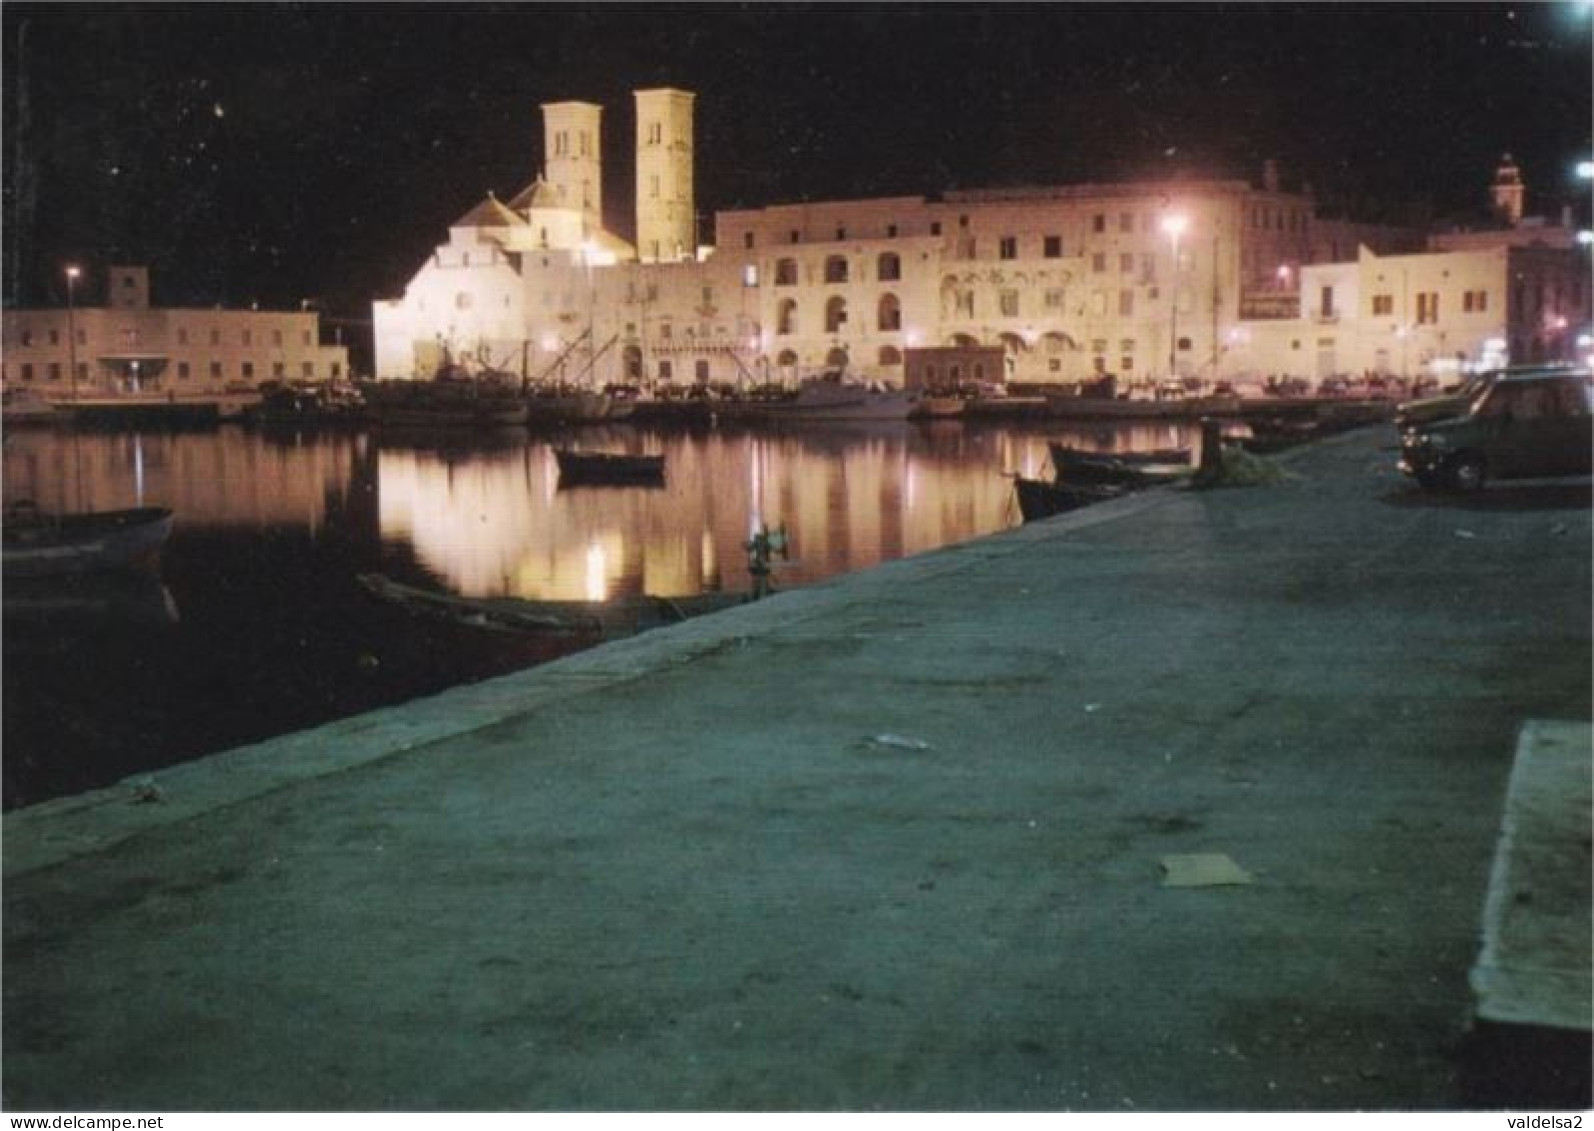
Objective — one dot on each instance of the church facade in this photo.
(1202, 280)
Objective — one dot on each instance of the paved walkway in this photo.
(897, 841)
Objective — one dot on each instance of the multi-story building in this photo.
(127, 345)
(1193, 278)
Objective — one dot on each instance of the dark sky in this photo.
(280, 151)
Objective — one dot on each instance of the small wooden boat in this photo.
(599, 468)
(622, 617)
(1078, 467)
(36, 544)
(1038, 499)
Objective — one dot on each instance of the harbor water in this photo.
(257, 625)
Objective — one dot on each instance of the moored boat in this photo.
(938, 407)
(445, 403)
(596, 468)
(832, 397)
(36, 544)
(1076, 407)
(1076, 466)
(1038, 499)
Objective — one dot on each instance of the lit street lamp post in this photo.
(1174, 225)
(71, 327)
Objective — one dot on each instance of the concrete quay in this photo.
(1188, 801)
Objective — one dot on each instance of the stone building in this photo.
(1201, 279)
(124, 344)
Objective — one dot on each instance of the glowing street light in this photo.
(1174, 225)
(1585, 169)
(72, 274)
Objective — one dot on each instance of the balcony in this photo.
(1264, 305)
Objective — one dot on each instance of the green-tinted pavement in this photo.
(890, 842)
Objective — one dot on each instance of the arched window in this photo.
(888, 268)
(785, 272)
(836, 359)
(836, 269)
(787, 359)
(890, 355)
(890, 313)
(633, 363)
(835, 315)
(786, 316)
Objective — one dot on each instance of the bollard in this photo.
(1211, 446)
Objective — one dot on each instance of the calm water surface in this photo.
(256, 625)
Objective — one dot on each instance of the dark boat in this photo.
(621, 617)
(36, 544)
(308, 406)
(1128, 469)
(1038, 499)
(595, 468)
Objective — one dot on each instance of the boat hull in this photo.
(86, 543)
(609, 468)
(1038, 499)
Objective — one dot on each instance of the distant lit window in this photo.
(750, 275)
(1007, 247)
(1052, 247)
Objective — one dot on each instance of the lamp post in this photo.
(72, 273)
(1174, 225)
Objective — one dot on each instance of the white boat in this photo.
(831, 397)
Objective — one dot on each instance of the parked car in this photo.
(1456, 401)
(1523, 426)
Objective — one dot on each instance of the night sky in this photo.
(274, 153)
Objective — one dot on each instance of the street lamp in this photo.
(1174, 225)
(72, 273)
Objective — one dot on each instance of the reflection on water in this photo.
(272, 529)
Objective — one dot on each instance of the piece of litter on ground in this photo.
(1092, 706)
(1465, 534)
(1202, 870)
(900, 742)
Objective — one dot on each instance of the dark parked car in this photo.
(1458, 400)
(1522, 427)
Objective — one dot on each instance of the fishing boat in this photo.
(1129, 469)
(607, 619)
(831, 397)
(597, 468)
(451, 398)
(324, 405)
(36, 544)
(1038, 499)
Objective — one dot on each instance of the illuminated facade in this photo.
(127, 345)
(1203, 278)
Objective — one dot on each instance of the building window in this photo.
(249, 370)
(935, 227)
(276, 369)
(1475, 302)
(702, 371)
(1054, 298)
(841, 233)
(1007, 247)
(307, 370)
(786, 317)
(1383, 304)
(836, 269)
(337, 370)
(750, 275)
(182, 370)
(215, 371)
(55, 370)
(1126, 303)
(55, 337)
(1126, 264)
(1427, 308)
(796, 236)
(1098, 262)
(27, 336)
(891, 233)
(1098, 222)
(1052, 247)
(835, 315)
(27, 371)
(890, 313)
(665, 371)
(747, 239)
(1325, 306)
(888, 268)
(1007, 301)
(785, 272)
(1126, 221)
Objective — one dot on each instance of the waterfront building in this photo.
(1203, 280)
(124, 344)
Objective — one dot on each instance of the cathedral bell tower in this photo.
(666, 229)
(572, 152)
(1507, 191)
